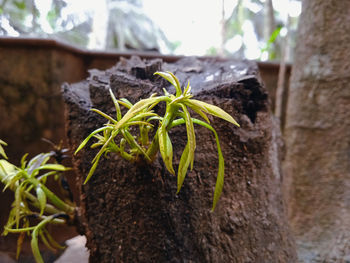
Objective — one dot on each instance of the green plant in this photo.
(116, 135)
(35, 206)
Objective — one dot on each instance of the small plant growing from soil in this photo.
(116, 135)
(35, 205)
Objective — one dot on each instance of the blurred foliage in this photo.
(126, 26)
(21, 18)
(130, 28)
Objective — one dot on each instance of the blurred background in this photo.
(252, 29)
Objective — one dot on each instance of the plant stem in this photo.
(34, 243)
(53, 198)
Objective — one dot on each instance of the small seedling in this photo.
(116, 135)
(35, 206)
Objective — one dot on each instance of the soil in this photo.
(131, 213)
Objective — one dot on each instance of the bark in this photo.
(318, 134)
(130, 213)
(269, 20)
(281, 91)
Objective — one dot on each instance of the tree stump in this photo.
(317, 132)
(131, 213)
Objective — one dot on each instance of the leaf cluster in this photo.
(35, 206)
(116, 135)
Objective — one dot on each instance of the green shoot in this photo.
(35, 206)
(116, 134)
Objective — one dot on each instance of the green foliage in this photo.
(116, 137)
(269, 45)
(35, 206)
(2, 152)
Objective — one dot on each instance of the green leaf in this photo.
(42, 178)
(53, 166)
(20, 4)
(104, 147)
(23, 161)
(93, 168)
(221, 169)
(2, 151)
(127, 104)
(139, 106)
(220, 178)
(134, 145)
(52, 242)
(214, 110)
(35, 246)
(166, 149)
(116, 105)
(188, 88)
(143, 115)
(41, 198)
(191, 137)
(183, 167)
(89, 137)
(104, 115)
(172, 79)
(45, 241)
(199, 111)
(18, 200)
(6, 169)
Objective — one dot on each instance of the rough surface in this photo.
(131, 213)
(317, 134)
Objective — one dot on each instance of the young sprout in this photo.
(116, 133)
(34, 202)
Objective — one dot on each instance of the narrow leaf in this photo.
(18, 204)
(183, 167)
(35, 246)
(89, 137)
(103, 148)
(188, 88)
(2, 151)
(178, 86)
(93, 168)
(133, 143)
(52, 241)
(6, 168)
(191, 137)
(46, 242)
(220, 178)
(221, 169)
(200, 113)
(104, 115)
(41, 198)
(53, 166)
(116, 105)
(214, 110)
(139, 106)
(23, 161)
(172, 79)
(166, 149)
(127, 104)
